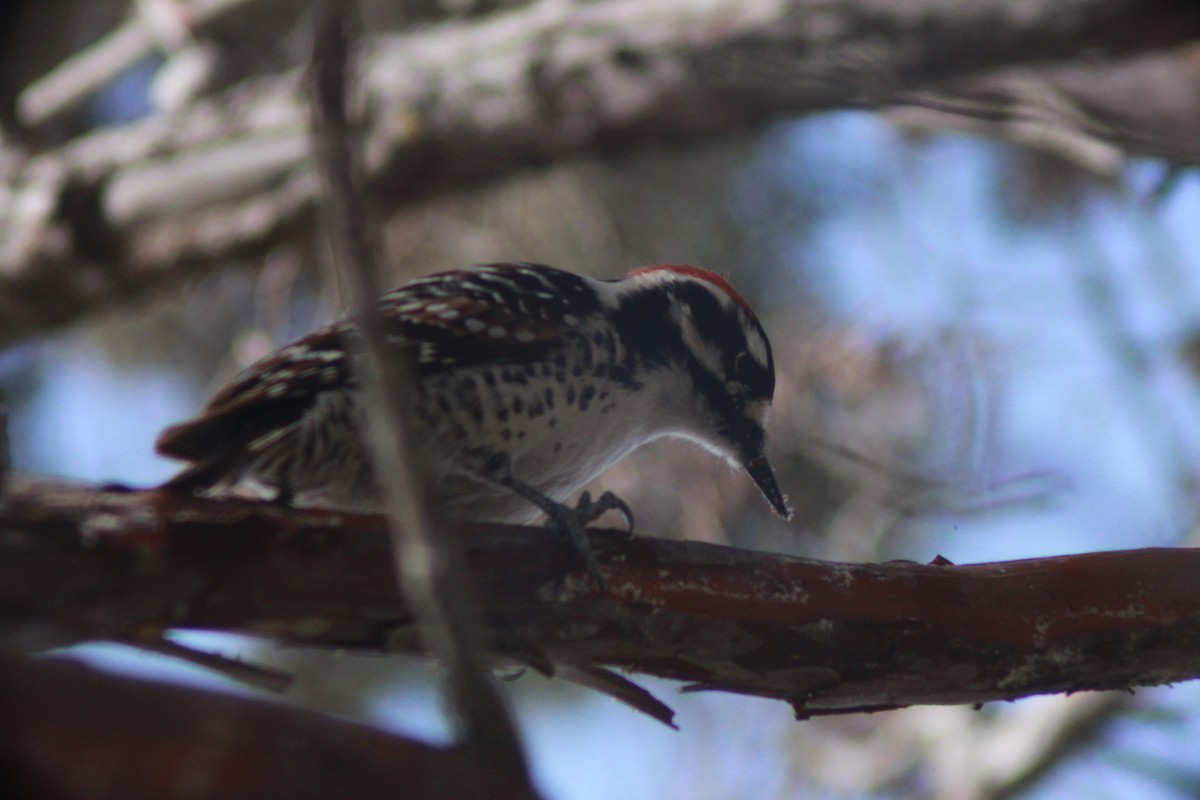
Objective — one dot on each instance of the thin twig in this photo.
(5, 451)
(256, 675)
(430, 568)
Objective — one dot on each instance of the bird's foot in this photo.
(571, 523)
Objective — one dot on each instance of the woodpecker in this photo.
(532, 381)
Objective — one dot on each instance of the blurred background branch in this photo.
(225, 176)
(130, 733)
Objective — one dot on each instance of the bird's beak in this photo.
(759, 469)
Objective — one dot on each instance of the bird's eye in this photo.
(743, 367)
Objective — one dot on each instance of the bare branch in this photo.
(829, 638)
(5, 451)
(1093, 115)
(154, 25)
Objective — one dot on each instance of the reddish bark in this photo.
(827, 637)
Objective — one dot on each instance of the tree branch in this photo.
(828, 638)
(455, 105)
(71, 733)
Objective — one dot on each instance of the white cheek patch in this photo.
(706, 353)
(757, 347)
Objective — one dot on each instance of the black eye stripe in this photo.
(726, 332)
(649, 332)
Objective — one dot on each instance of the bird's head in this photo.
(697, 333)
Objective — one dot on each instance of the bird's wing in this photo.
(270, 395)
(463, 318)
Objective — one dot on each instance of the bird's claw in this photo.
(589, 511)
(572, 523)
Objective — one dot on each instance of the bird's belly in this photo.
(558, 435)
